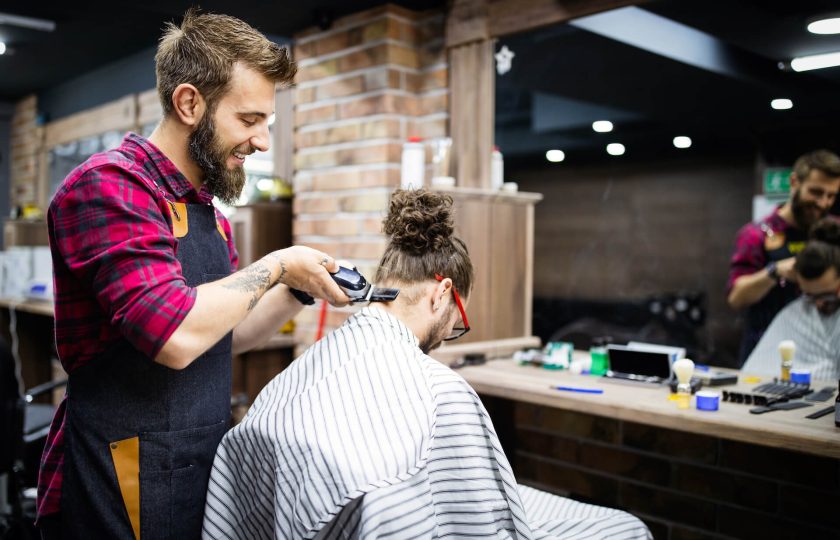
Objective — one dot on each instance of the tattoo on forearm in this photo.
(278, 260)
(255, 279)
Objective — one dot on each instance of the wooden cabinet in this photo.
(261, 228)
(24, 232)
(498, 229)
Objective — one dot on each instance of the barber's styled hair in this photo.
(824, 161)
(420, 227)
(203, 51)
(822, 251)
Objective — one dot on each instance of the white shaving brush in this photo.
(787, 349)
(684, 368)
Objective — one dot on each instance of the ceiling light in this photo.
(615, 149)
(828, 25)
(781, 104)
(815, 61)
(602, 126)
(2, 47)
(682, 141)
(27, 22)
(555, 156)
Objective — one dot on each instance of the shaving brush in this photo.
(787, 349)
(684, 368)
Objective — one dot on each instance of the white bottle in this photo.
(497, 170)
(413, 164)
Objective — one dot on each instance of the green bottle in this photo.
(600, 358)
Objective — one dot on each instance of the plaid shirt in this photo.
(115, 271)
(750, 256)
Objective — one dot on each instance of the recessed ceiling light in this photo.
(602, 126)
(828, 25)
(682, 141)
(555, 156)
(815, 61)
(781, 104)
(2, 48)
(615, 149)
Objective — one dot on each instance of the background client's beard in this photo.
(206, 150)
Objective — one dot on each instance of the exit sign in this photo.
(776, 181)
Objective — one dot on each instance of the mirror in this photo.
(634, 236)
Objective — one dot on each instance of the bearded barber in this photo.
(762, 279)
(148, 305)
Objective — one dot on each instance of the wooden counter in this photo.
(36, 307)
(686, 473)
(651, 406)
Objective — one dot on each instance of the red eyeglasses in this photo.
(457, 330)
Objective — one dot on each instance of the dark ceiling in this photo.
(705, 68)
(91, 33)
(712, 81)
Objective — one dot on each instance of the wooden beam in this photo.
(120, 114)
(283, 134)
(467, 21)
(473, 20)
(472, 86)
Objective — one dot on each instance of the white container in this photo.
(413, 169)
(17, 270)
(497, 169)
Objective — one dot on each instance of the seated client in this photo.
(812, 321)
(366, 436)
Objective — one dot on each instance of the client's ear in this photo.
(441, 294)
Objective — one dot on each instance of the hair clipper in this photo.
(354, 285)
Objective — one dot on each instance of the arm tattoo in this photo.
(283, 270)
(255, 279)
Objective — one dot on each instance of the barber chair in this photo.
(24, 426)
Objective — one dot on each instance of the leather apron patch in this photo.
(126, 456)
(178, 217)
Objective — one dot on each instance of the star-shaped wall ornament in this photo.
(504, 59)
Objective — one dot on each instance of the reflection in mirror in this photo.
(651, 134)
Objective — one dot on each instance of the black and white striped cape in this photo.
(364, 436)
(817, 339)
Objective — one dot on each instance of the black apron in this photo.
(140, 437)
(761, 314)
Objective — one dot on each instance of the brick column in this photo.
(26, 139)
(363, 87)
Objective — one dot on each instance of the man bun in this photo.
(419, 221)
(827, 230)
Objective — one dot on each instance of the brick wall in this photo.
(683, 485)
(26, 142)
(363, 86)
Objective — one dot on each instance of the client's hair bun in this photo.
(826, 230)
(419, 221)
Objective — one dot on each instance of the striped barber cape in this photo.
(817, 339)
(364, 436)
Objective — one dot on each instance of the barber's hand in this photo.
(308, 270)
(785, 269)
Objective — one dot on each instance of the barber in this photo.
(148, 306)
(762, 279)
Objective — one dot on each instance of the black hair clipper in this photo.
(359, 290)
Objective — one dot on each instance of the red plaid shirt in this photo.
(750, 256)
(116, 275)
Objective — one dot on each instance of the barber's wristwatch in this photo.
(773, 272)
(302, 297)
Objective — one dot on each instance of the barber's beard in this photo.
(802, 213)
(211, 156)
